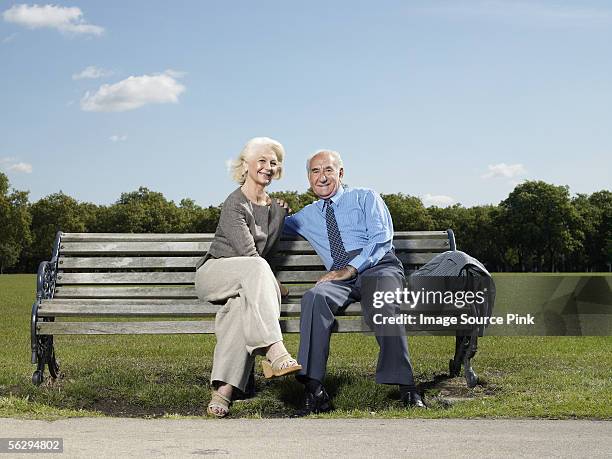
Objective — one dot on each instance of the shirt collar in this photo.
(334, 198)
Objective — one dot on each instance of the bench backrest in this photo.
(162, 266)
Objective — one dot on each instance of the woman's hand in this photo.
(284, 290)
(284, 205)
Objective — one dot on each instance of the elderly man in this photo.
(352, 231)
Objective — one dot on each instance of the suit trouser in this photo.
(249, 318)
(318, 309)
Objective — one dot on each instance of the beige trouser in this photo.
(249, 318)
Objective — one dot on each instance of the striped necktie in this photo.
(338, 252)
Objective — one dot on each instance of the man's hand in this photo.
(284, 205)
(340, 274)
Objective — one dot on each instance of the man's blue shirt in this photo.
(363, 220)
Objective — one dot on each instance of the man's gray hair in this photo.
(334, 154)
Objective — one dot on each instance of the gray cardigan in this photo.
(245, 229)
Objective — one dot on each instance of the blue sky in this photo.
(452, 101)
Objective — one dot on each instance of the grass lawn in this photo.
(544, 377)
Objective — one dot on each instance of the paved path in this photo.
(119, 437)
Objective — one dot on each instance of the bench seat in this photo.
(96, 282)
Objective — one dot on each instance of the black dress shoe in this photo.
(316, 402)
(413, 400)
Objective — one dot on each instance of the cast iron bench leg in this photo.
(45, 355)
(52, 363)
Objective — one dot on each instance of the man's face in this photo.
(324, 175)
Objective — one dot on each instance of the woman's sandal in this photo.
(280, 366)
(219, 405)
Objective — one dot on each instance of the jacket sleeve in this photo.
(233, 221)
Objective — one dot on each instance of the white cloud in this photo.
(26, 168)
(118, 138)
(437, 200)
(92, 72)
(132, 93)
(228, 164)
(64, 19)
(504, 170)
(14, 165)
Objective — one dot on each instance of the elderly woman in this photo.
(235, 271)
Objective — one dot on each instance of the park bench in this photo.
(103, 276)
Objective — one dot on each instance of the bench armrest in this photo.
(45, 289)
(47, 273)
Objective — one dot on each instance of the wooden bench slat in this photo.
(126, 262)
(420, 235)
(124, 328)
(126, 301)
(126, 278)
(296, 261)
(134, 248)
(199, 248)
(126, 292)
(207, 237)
(297, 293)
(415, 258)
(137, 237)
(189, 327)
(127, 310)
(289, 261)
(131, 292)
(298, 290)
(59, 308)
(428, 245)
(299, 276)
(163, 327)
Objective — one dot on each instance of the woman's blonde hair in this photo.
(238, 167)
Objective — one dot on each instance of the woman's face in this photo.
(262, 165)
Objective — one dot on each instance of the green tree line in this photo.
(538, 227)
